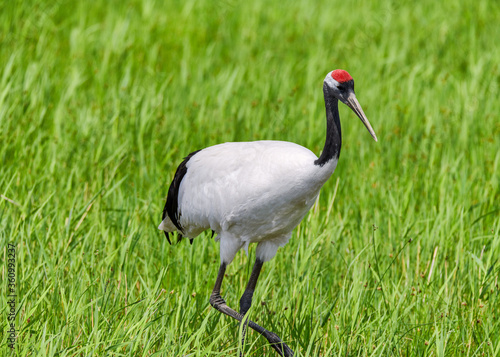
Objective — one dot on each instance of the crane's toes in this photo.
(218, 302)
(283, 350)
(278, 345)
(287, 352)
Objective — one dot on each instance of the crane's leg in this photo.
(220, 305)
(246, 298)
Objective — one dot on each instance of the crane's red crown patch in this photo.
(341, 76)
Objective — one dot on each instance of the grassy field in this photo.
(100, 101)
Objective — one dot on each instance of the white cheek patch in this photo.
(332, 83)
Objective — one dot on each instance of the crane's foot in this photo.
(220, 305)
(278, 345)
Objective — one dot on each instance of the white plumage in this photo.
(256, 192)
(249, 192)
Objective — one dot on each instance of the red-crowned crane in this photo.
(256, 192)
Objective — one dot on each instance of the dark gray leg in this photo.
(220, 305)
(246, 298)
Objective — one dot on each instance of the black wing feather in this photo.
(172, 205)
(168, 237)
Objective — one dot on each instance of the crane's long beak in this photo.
(353, 103)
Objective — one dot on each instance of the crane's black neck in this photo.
(333, 133)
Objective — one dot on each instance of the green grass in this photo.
(99, 102)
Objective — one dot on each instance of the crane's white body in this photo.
(249, 192)
(256, 192)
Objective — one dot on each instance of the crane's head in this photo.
(340, 85)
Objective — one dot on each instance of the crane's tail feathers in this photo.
(167, 234)
(168, 228)
(179, 238)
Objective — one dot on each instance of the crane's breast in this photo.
(249, 187)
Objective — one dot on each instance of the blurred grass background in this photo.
(100, 101)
